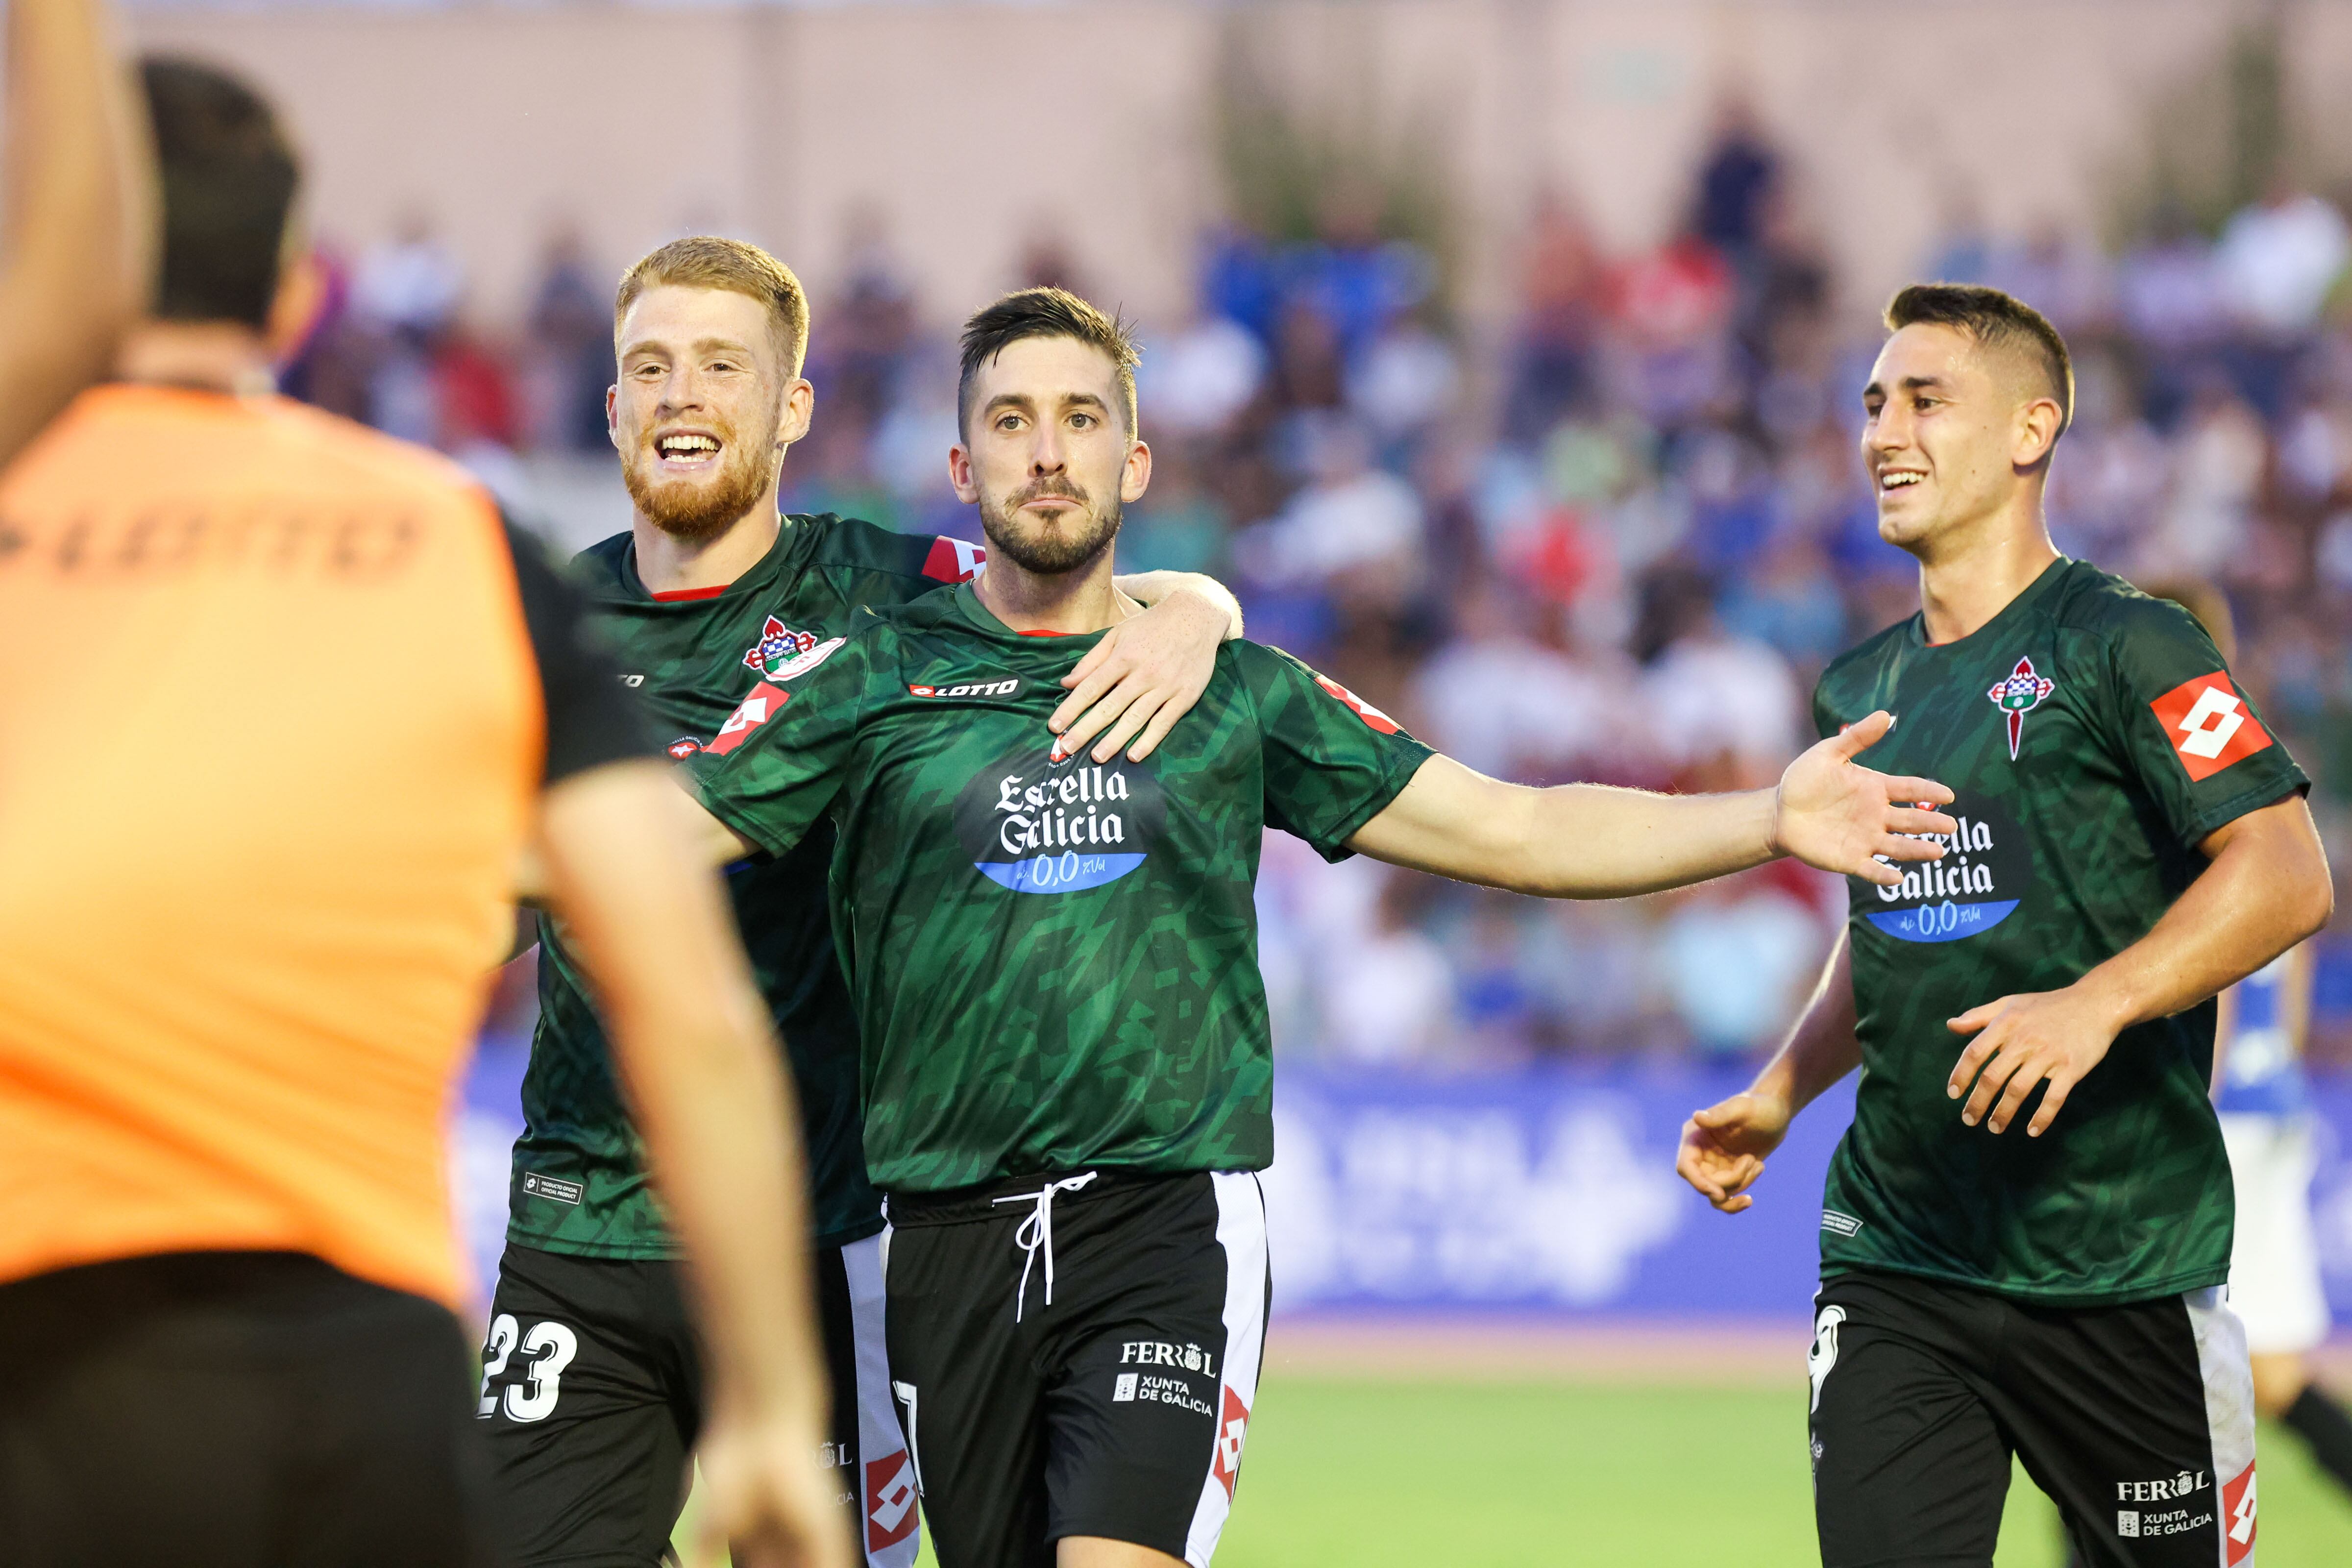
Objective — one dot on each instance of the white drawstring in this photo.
(1037, 1232)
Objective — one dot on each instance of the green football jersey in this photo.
(579, 1183)
(1054, 964)
(2093, 738)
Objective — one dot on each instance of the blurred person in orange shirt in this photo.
(79, 212)
(285, 701)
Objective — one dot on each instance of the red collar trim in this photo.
(676, 595)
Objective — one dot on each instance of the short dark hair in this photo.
(228, 181)
(709, 261)
(1045, 313)
(1996, 320)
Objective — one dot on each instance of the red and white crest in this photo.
(683, 747)
(779, 644)
(2021, 694)
(2209, 724)
(890, 1500)
(1232, 1426)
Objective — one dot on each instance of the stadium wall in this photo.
(974, 127)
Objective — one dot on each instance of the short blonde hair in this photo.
(709, 261)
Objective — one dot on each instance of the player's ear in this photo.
(800, 409)
(1135, 477)
(613, 414)
(960, 475)
(2035, 432)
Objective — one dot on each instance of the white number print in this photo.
(2206, 729)
(504, 1334)
(551, 1346)
(1825, 1353)
(906, 1395)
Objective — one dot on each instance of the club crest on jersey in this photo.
(2021, 694)
(779, 646)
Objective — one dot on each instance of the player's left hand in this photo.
(1145, 674)
(2056, 1036)
(1832, 812)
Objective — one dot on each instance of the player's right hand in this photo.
(767, 1499)
(1723, 1146)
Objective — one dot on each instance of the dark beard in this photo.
(1054, 554)
(693, 513)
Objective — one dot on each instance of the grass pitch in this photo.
(1364, 1473)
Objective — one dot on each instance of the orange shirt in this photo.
(270, 737)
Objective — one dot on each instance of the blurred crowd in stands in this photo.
(1616, 543)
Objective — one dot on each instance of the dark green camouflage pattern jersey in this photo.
(2093, 738)
(1055, 963)
(579, 1181)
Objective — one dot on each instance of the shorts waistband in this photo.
(967, 1206)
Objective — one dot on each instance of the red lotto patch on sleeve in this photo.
(1364, 710)
(1233, 1428)
(953, 561)
(2209, 724)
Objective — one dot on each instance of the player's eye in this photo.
(1082, 421)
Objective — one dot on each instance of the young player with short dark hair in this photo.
(1067, 1070)
(593, 1395)
(2036, 1269)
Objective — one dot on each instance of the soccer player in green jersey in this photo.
(2027, 1227)
(1066, 1066)
(593, 1393)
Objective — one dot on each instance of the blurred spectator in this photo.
(2279, 258)
(1404, 382)
(1563, 293)
(1199, 378)
(1179, 526)
(1389, 996)
(570, 327)
(1350, 518)
(1738, 957)
(1498, 700)
(1738, 179)
(411, 284)
(2059, 274)
(1723, 708)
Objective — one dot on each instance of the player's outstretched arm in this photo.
(700, 1058)
(1147, 673)
(80, 210)
(1592, 841)
(2266, 888)
(1725, 1146)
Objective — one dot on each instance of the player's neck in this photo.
(668, 565)
(216, 356)
(1066, 602)
(1969, 578)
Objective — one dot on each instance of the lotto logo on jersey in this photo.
(754, 711)
(1232, 1426)
(1364, 710)
(2238, 1514)
(2209, 724)
(953, 561)
(890, 1500)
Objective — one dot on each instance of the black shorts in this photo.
(591, 1398)
(2138, 1421)
(230, 1410)
(1079, 1363)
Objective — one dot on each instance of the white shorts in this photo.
(2274, 1283)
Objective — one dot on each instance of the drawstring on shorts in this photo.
(1037, 1234)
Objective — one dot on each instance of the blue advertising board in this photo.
(1537, 1192)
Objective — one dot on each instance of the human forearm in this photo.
(1157, 587)
(80, 210)
(1822, 1046)
(700, 1061)
(2266, 889)
(1574, 841)
(1591, 841)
